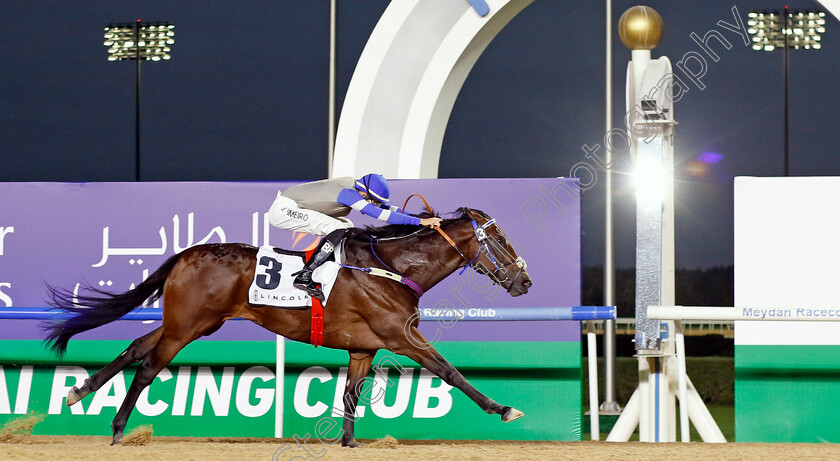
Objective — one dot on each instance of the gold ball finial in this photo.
(640, 28)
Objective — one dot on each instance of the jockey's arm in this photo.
(391, 215)
(391, 208)
(434, 221)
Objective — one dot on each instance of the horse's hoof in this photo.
(511, 415)
(118, 435)
(73, 396)
(350, 444)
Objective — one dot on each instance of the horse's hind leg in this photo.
(160, 356)
(359, 366)
(134, 352)
(423, 353)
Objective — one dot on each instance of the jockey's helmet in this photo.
(375, 185)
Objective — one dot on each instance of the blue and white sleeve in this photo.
(391, 215)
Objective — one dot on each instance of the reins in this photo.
(440, 231)
(480, 234)
(390, 273)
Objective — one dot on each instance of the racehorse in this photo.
(205, 285)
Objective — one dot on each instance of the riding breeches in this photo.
(286, 214)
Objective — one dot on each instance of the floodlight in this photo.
(139, 41)
(150, 41)
(772, 30)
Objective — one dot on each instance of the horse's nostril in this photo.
(527, 283)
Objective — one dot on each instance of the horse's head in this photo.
(496, 257)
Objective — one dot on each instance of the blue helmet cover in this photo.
(375, 185)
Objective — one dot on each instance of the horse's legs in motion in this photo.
(419, 350)
(160, 356)
(136, 351)
(356, 372)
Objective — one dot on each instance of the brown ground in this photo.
(209, 449)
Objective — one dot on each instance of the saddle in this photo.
(274, 274)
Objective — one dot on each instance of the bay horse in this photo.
(205, 285)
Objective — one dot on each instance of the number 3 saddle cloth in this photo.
(275, 272)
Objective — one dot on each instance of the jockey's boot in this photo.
(303, 280)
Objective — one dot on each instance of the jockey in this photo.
(320, 207)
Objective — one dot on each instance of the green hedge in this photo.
(714, 378)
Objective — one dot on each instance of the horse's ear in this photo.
(476, 215)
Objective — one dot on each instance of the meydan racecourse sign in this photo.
(112, 235)
(786, 253)
(800, 314)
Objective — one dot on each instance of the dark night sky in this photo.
(245, 98)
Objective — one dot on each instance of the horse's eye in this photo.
(501, 240)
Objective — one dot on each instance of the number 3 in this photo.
(270, 278)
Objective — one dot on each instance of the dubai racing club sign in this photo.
(243, 400)
(232, 383)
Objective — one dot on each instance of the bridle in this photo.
(485, 248)
(479, 264)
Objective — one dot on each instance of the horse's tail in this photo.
(91, 311)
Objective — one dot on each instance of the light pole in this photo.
(331, 101)
(787, 29)
(150, 41)
(610, 405)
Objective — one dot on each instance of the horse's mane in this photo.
(402, 230)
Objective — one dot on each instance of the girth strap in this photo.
(316, 337)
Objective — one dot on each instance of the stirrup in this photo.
(312, 290)
(309, 286)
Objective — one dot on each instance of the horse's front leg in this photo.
(419, 350)
(356, 372)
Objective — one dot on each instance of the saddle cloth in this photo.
(272, 283)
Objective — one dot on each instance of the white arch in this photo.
(406, 82)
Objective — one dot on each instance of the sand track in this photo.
(209, 449)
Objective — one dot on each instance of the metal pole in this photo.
(137, 103)
(610, 405)
(682, 377)
(592, 353)
(331, 109)
(787, 33)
